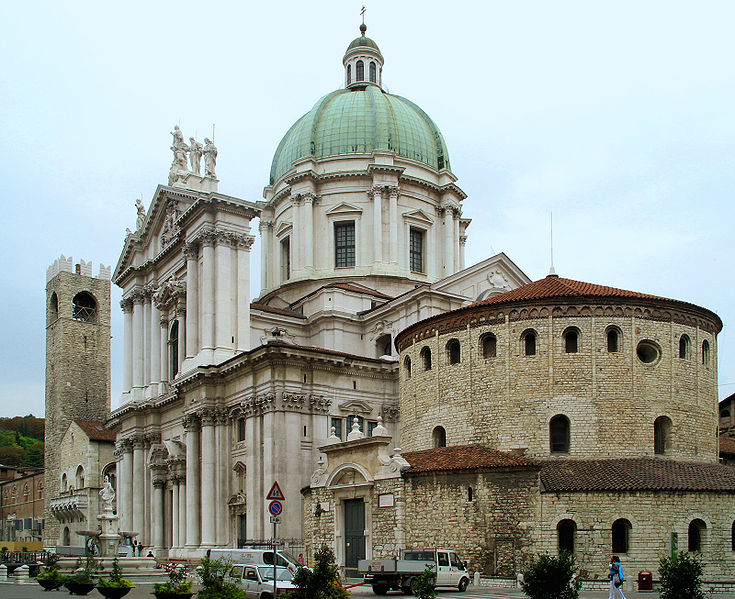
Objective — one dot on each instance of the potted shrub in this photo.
(115, 586)
(50, 578)
(212, 573)
(82, 581)
(177, 587)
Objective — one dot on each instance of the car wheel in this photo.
(413, 586)
(380, 589)
(463, 584)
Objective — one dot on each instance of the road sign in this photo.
(275, 508)
(275, 493)
(275, 519)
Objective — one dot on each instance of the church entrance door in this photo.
(354, 533)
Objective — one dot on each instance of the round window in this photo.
(648, 352)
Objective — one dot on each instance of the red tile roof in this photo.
(727, 443)
(355, 288)
(281, 311)
(644, 474)
(96, 430)
(464, 457)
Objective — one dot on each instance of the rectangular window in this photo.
(286, 258)
(416, 250)
(371, 426)
(344, 244)
(240, 429)
(337, 424)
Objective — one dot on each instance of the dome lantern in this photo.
(363, 62)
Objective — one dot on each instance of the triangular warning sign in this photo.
(275, 492)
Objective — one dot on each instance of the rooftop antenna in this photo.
(552, 272)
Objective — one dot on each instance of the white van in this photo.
(258, 557)
(257, 581)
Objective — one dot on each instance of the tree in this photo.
(212, 574)
(320, 583)
(681, 577)
(549, 577)
(12, 455)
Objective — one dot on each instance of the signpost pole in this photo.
(275, 547)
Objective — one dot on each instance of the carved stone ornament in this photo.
(498, 280)
(190, 422)
(319, 477)
(207, 416)
(170, 292)
(171, 230)
(319, 403)
(391, 413)
(293, 401)
(392, 466)
(279, 334)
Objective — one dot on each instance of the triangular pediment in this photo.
(344, 208)
(283, 228)
(492, 276)
(355, 406)
(418, 216)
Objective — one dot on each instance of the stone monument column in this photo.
(393, 214)
(191, 253)
(209, 479)
(138, 484)
(138, 357)
(126, 486)
(207, 295)
(127, 308)
(376, 195)
(223, 296)
(193, 486)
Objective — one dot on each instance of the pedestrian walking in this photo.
(616, 577)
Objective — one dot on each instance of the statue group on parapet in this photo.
(196, 151)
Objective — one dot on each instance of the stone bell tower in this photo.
(77, 362)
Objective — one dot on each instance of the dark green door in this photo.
(354, 532)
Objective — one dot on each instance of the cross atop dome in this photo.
(363, 61)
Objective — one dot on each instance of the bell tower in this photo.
(77, 362)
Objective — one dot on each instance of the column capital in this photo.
(126, 444)
(180, 310)
(139, 441)
(392, 190)
(191, 250)
(164, 320)
(159, 481)
(245, 242)
(127, 305)
(137, 296)
(208, 238)
(207, 416)
(190, 422)
(462, 239)
(152, 438)
(265, 224)
(223, 416)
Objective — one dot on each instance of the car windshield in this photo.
(266, 573)
(289, 557)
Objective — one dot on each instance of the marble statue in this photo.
(210, 158)
(107, 493)
(141, 215)
(195, 155)
(178, 135)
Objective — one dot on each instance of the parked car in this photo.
(257, 580)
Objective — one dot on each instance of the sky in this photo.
(618, 118)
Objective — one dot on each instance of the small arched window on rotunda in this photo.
(559, 434)
(84, 307)
(684, 345)
(566, 533)
(529, 342)
(173, 350)
(426, 358)
(613, 340)
(705, 352)
(571, 341)
(53, 306)
(621, 535)
(489, 345)
(407, 366)
(439, 437)
(453, 351)
(661, 435)
(359, 71)
(697, 530)
(79, 477)
(373, 73)
(349, 74)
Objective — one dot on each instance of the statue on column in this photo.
(195, 155)
(107, 493)
(179, 148)
(210, 158)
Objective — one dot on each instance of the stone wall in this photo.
(507, 401)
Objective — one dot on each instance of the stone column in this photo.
(181, 318)
(207, 294)
(147, 332)
(297, 235)
(138, 484)
(138, 357)
(155, 335)
(223, 293)
(393, 213)
(127, 308)
(191, 425)
(174, 511)
(222, 516)
(308, 247)
(462, 243)
(182, 511)
(455, 244)
(125, 486)
(209, 477)
(245, 243)
(191, 252)
(377, 197)
(448, 241)
(163, 327)
(265, 228)
(159, 542)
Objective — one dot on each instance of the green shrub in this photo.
(424, 584)
(115, 580)
(549, 577)
(681, 577)
(320, 583)
(212, 574)
(176, 584)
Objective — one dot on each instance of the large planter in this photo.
(79, 588)
(164, 595)
(50, 584)
(114, 592)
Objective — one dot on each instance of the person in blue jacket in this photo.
(616, 570)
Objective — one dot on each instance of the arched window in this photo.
(79, 478)
(359, 71)
(66, 537)
(453, 352)
(705, 352)
(613, 340)
(489, 345)
(426, 358)
(684, 347)
(571, 341)
(559, 434)
(407, 366)
(53, 305)
(529, 342)
(620, 536)
(84, 307)
(661, 435)
(469, 493)
(173, 350)
(349, 74)
(697, 529)
(383, 346)
(566, 534)
(64, 483)
(373, 73)
(732, 537)
(439, 437)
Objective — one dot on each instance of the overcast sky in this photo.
(619, 118)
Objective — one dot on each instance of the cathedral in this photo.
(398, 397)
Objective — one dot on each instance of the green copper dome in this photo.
(362, 42)
(358, 121)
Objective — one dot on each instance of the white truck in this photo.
(257, 580)
(400, 574)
